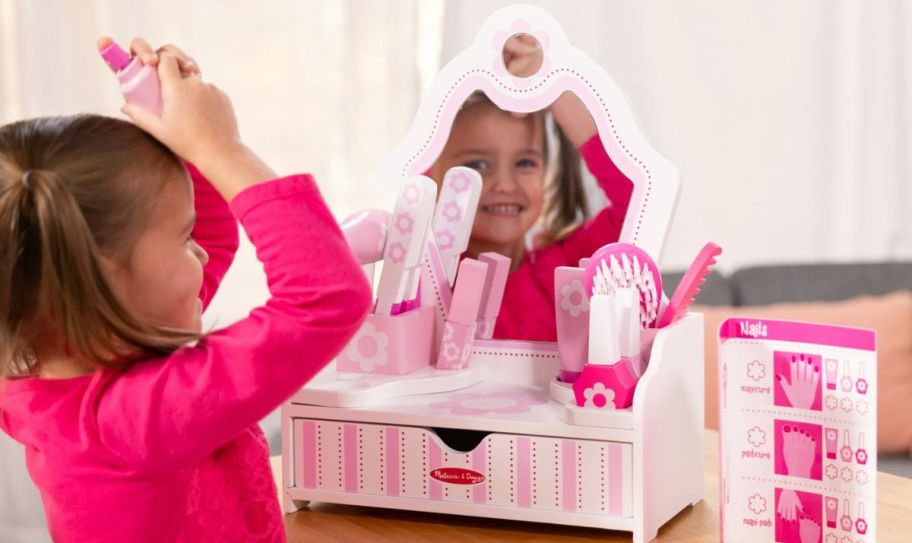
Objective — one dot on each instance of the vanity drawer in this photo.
(502, 470)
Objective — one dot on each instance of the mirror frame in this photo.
(656, 183)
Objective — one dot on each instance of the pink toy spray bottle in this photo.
(138, 82)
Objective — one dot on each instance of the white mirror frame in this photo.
(656, 184)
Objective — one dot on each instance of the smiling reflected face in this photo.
(508, 151)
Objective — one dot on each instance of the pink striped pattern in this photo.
(615, 478)
(568, 463)
(350, 453)
(523, 473)
(307, 468)
(478, 464)
(392, 461)
(434, 462)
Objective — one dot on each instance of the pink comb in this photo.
(690, 284)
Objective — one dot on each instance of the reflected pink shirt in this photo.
(527, 311)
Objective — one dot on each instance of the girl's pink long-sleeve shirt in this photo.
(170, 449)
(527, 310)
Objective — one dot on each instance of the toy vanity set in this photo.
(423, 411)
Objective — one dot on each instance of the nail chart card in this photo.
(798, 432)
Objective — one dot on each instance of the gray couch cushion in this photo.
(715, 291)
(765, 285)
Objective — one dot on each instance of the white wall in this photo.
(789, 121)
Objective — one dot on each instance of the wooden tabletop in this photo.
(330, 522)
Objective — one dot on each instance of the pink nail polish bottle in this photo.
(845, 522)
(861, 454)
(861, 385)
(846, 381)
(832, 506)
(861, 525)
(845, 453)
(138, 82)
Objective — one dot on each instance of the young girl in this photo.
(510, 152)
(109, 251)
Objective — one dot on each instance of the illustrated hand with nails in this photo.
(789, 505)
(803, 384)
(798, 450)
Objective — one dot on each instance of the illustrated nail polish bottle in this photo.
(845, 522)
(832, 511)
(830, 370)
(846, 381)
(861, 454)
(861, 385)
(845, 453)
(861, 525)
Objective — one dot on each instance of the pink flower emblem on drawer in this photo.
(506, 402)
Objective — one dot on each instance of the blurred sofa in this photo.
(867, 295)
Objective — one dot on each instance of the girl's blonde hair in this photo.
(74, 189)
(566, 206)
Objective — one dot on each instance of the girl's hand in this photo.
(141, 48)
(523, 56)
(197, 121)
(197, 118)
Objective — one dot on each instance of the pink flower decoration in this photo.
(756, 370)
(757, 504)
(451, 211)
(397, 252)
(445, 240)
(470, 403)
(412, 194)
(598, 395)
(460, 182)
(543, 39)
(404, 223)
(520, 26)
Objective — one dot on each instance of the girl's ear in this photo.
(115, 272)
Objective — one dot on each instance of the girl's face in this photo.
(508, 152)
(162, 282)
